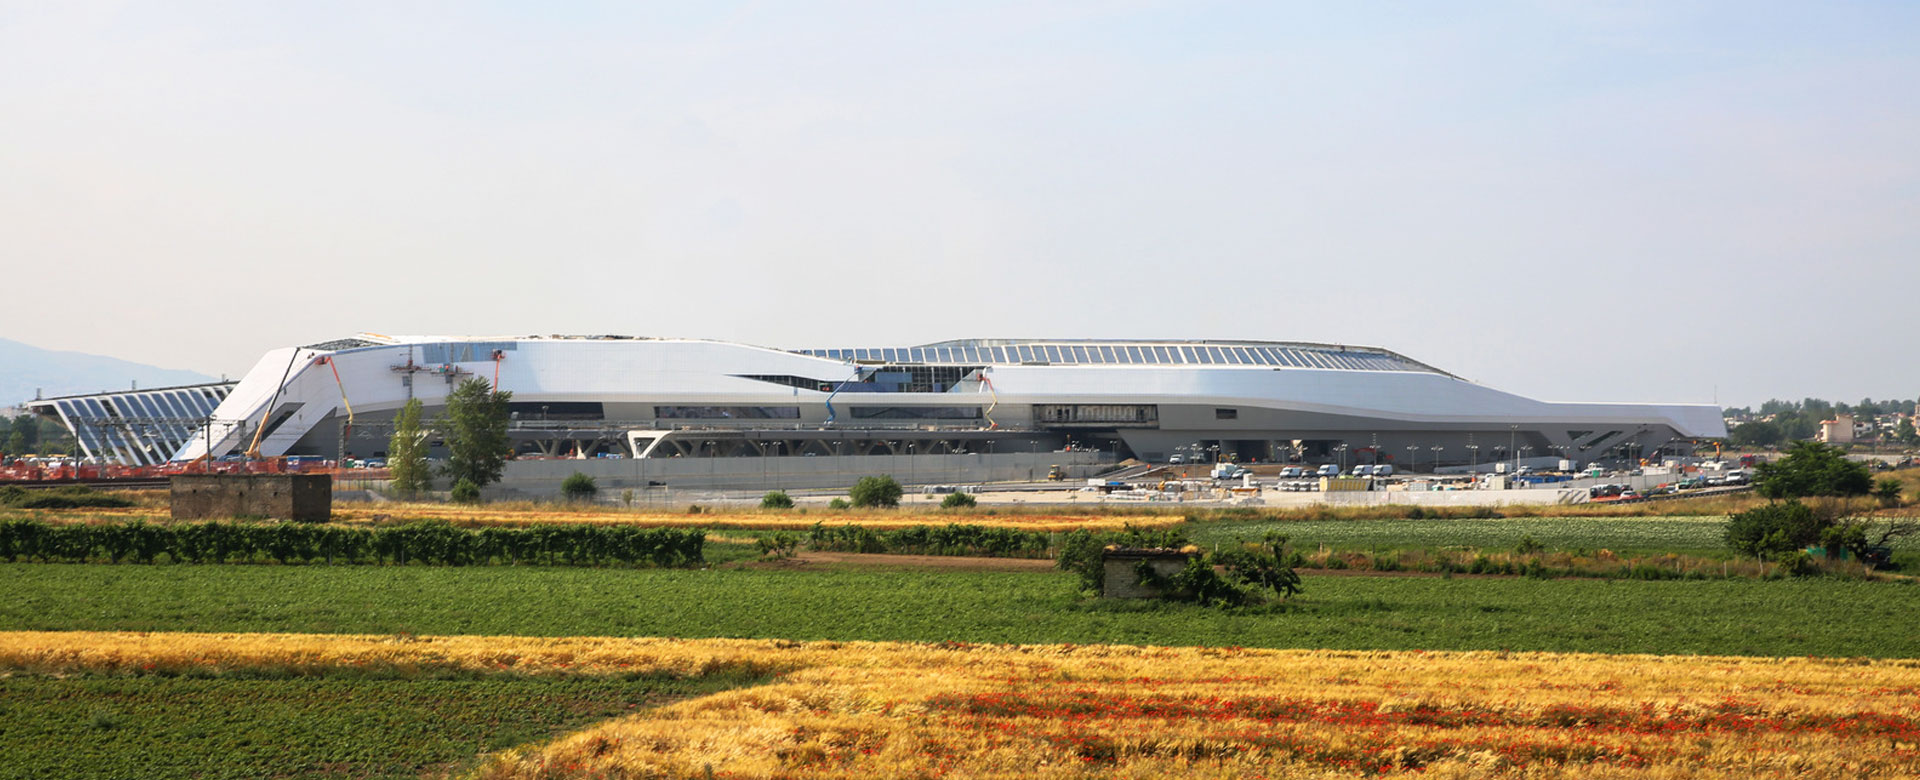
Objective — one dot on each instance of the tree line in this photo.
(31, 434)
(1800, 420)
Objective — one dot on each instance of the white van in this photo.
(1383, 470)
(1363, 470)
(1329, 470)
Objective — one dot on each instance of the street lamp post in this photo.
(1473, 466)
(763, 463)
(1436, 457)
(1513, 433)
(1342, 449)
(1413, 457)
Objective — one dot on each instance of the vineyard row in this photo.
(433, 544)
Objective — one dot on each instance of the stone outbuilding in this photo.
(303, 497)
(1120, 578)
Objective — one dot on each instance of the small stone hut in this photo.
(303, 497)
(1120, 578)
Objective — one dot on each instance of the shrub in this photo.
(1887, 491)
(1774, 530)
(776, 499)
(880, 491)
(958, 501)
(466, 492)
(838, 503)
(579, 487)
(73, 497)
(779, 545)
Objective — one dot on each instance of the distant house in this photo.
(1838, 430)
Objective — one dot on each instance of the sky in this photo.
(1665, 201)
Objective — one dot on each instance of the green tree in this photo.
(1755, 434)
(775, 499)
(1904, 432)
(1799, 427)
(1776, 529)
(579, 487)
(23, 435)
(407, 452)
(1812, 469)
(881, 491)
(475, 429)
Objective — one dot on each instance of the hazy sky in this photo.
(1574, 201)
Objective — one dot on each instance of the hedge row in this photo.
(952, 539)
(433, 544)
(72, 497)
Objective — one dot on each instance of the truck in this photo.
(1228, 471)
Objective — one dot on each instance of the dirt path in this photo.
(812, 559)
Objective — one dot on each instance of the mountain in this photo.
(25, 368)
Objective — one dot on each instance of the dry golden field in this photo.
(943, 710)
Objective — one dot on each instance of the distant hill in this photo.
(24, 368)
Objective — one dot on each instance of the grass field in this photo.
(171, 727)
(1736, 617)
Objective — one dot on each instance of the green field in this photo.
(1744, 617)
(1702, 536)
(151, 727)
